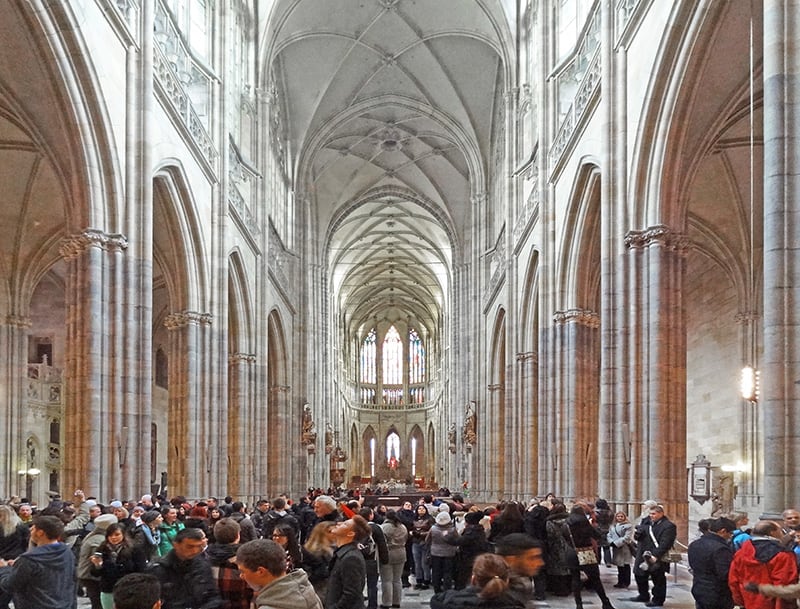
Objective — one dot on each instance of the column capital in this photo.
(280, 388)
(237, 358)
(744, 317)
(583, 317)
(74, 245)
(181, 319)
(659, 235)
(18, 321)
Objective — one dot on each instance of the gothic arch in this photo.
(579, 264)
(416, 447)
(282, 429)
(367, 458)
(178, 246)
(241, 375)
(430, 455)
(495, 419)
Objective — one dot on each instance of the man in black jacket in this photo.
(348, 569)
(185, 575)
(710, 559)
(655, 536)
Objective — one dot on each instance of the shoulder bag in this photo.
(586, 555)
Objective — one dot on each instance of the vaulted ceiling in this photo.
(388, 110)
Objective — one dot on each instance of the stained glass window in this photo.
(392, 358)
(368, 361)
(416, 358)
(392, 448)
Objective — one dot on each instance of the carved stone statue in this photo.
(328, 439)
(470, 421)
(309, 436)
(451, 437)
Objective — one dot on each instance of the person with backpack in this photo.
(375, 550)
(279, 515)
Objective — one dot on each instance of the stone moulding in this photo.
(579, 316)
(74, 245)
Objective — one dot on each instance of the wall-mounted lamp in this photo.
(749, 384)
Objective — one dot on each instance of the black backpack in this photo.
(368, 547)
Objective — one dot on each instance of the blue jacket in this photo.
(42, 578)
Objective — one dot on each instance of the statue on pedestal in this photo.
(470, 421)
(309, 434)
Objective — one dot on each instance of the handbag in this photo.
(586, 555)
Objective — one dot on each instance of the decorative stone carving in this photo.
(328, 439)
(469, 434)
(309, 433)
(658, 235)
(451, 438)
(173, 321)
(580, 316)
(74, 246)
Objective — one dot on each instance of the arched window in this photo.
(392, 358)
(392, 448)
(416, 358)
(368, 358)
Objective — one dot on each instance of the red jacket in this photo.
(762, 561)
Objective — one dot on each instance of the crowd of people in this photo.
(329, 552)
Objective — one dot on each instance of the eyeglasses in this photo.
(277, 535)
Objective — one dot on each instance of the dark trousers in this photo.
(659, 577)
(92, 588)
(624, 575)
(441, 573)
(593, 579)
(372, 584)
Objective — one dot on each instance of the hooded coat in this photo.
(468, 599)
(292, 591)
(761, 560)
(42, 578)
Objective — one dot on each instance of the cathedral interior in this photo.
(504, 246)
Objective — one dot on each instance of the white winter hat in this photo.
(443, 518)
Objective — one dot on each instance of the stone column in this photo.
(576, 414)
(94, 418)
(493, 433)
(527, 428)
(283, 437)
(240, 425)
(193, 454)
(656, 416)
(13, 374)
(780, 403)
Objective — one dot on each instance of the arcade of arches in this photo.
(253, 246)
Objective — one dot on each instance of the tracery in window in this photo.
(416, 358)
(368, 360)
(392, 358)
(392, 449)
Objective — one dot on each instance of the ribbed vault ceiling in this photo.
(388, 107)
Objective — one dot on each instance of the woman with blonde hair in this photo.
(623, 548)
(317, 555)
(14, 535)
(489, 588)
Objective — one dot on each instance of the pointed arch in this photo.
(369, 452)
(417, 452)
(279, 421)
(178, 246)
(579, 265)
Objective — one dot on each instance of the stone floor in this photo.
(678, 594)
